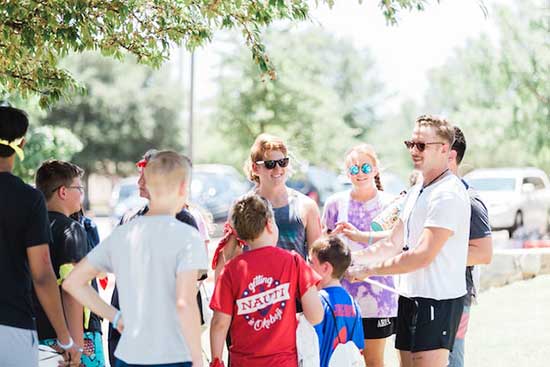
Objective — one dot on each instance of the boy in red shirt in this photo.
(256, 291)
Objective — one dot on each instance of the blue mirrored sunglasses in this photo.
(365, 168)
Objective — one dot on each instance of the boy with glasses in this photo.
(60, 182)
(428, 248)
(24, 256)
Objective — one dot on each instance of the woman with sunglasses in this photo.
(351, 213)
(296, 215)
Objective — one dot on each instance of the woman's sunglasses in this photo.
(420, 146)
(271, 164)
(365, 168)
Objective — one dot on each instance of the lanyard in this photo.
(406, 247)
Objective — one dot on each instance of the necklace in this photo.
(406, 247)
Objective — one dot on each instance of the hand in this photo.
(120, 324)
(71, 356)
(348, 230)
(358, 273)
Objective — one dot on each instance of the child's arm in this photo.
(313, 309)
(77, 285)
(188, 311)
(74, 314)
(218, 333)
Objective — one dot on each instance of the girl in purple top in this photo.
(352, 211)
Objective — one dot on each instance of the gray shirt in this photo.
(145, 255)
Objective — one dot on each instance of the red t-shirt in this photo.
(259, 289)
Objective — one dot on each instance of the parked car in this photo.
(214, 187)
(515, 197)
(316, 182)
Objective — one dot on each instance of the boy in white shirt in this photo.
(155, 259)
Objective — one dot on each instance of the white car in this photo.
(515, 197)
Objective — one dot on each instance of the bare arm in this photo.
(188, 311)
(218, 333)
(383, 249)
(74, 314)
(480, 251)
(77, 285)
(45, 285)
(47, 291)
(313, 221)
(430, 243)
(231, 250)
(356, 235)
(313, 309)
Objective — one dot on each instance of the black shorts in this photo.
(427, 324)
(379, 328)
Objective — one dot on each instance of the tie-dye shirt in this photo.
(373, 301)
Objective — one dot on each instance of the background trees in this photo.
(499, 90)
(36, 34)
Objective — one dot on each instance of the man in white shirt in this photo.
(428, 249)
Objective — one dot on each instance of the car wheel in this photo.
(518, 222)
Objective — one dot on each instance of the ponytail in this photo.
(378, 183)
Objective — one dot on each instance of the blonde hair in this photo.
(166, 170)
(367, 150)
(262, 144)
(443, 128)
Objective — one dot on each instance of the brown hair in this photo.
(443, 128)
(249, 216)
(54, 174)
(166, 169)
(368, 150)
(262, 144)
(333, 250)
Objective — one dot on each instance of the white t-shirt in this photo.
(444, 204)
(145, 255)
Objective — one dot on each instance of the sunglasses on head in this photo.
(420, 146)
(272, 163)
(365, 168)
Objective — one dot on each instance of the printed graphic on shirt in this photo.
(263, 302)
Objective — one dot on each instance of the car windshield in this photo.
(493, 184)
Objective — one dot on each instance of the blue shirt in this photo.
(348, 318)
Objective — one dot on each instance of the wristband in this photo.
(216, 363)
(116, 319)
(69, 345)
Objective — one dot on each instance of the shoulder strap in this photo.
(334, 317)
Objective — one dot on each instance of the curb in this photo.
(510, 265)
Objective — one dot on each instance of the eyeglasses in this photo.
(420, 146)
(79, 188)
(365, 168)
(271, 164)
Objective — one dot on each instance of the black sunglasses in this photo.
(271, 164)
(420, 146)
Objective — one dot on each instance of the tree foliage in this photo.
(127, 110)
(499, 92)
(46, 142)
(36, 34)
(324, 100)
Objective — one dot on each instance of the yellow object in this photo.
(64, 271)
(15, 146)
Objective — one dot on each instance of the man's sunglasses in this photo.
(271, 164)
(420, 146)
(365, 168)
